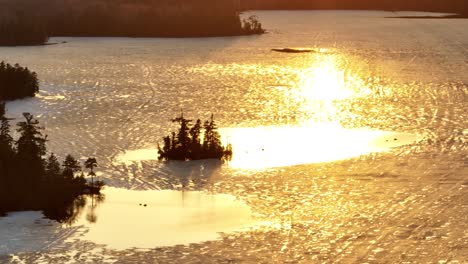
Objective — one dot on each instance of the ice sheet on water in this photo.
(28, 231)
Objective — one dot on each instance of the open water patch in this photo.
(148, 219)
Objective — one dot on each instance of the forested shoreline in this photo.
(32, 22)
(444, 6)
(30, 180)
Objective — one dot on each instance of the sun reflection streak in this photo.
(267, 147)
(320, 138)
(327, 80)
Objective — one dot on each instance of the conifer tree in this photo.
(30, 150)
(195, 144)
(182, 139)
(6, 140)
(70, 167)
(6, 149)
(90, 164)
(212, 147)
(53, 169)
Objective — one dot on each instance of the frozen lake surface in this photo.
(354, 153)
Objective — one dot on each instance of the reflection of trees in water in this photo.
(178, 175)
(68, 211)
(65, 211)
(91, 215)
(189, 175)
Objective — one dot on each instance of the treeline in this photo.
(186, 144)
(446, 6)
(22, 30)
(119, 18)
(31, 181)
(17, 82)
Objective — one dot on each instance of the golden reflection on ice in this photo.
(266, 147)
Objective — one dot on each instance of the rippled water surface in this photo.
(355, 152)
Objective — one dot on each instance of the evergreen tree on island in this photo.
(186, 144)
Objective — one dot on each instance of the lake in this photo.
(354, 152)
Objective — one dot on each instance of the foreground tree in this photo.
(6, 150)
(30, 150)
(6, 140)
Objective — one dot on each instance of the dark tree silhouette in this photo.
(30, 150)
(195, 144)
(53, 171)
(70, 167)
(6, 151)
(6, 140)
(182, 138)
(90, 164)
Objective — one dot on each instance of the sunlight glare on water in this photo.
(326, 80)
(322, 139)
(266, 147)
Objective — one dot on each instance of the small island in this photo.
(32, 22)
(186, 144)
(292, 50)
(17, 82)
(31, 181)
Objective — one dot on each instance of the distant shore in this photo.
(32, 22)
(452, 16)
